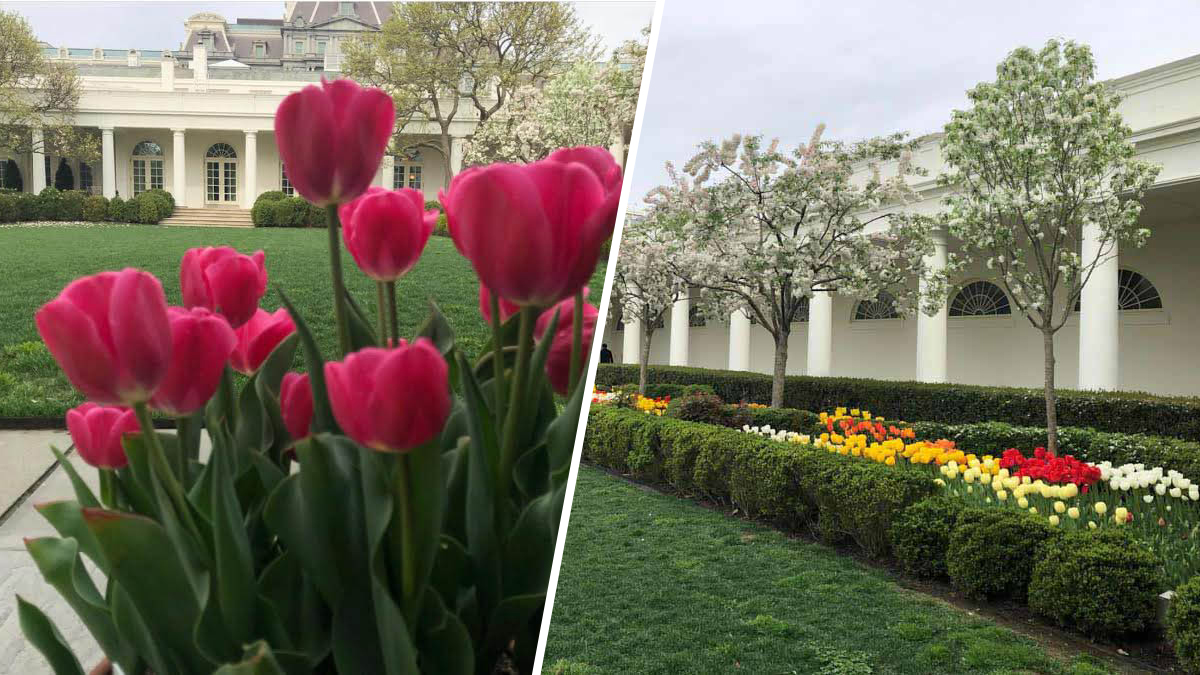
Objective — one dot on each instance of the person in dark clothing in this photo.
(605, 354)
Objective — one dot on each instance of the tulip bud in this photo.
(331, 138)
(390, 400)
(386, 231)
(296, 405)
(224, 281)
(258, 337)
(201, 343)
(97, 432)
(110, 335)
(558, 361)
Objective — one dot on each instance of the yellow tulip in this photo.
(1059, 507)
(1023, 503)
(1001, 495)
(1073, 512)
(1054, 521)
(1101, 508)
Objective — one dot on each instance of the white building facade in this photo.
(1137, 327)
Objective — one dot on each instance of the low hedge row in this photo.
(275, 209)
(946, 403)
(52, 204)
(1103, 584)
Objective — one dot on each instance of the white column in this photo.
(679, 333)
(38, 159)
(108, 163)
(179, 168)
(820, 334)
(931, 330)
(251, 192)
(631, 342)
(384, 179)
(1099, 322)
(739, 341)
(457, 149)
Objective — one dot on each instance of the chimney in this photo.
(167, 67)
(200, 63)
(135, 58)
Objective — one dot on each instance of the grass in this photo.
(654, 584)
(37, 262)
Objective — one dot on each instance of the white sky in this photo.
(866, 67)
(159, 25)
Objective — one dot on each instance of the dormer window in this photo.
(346, 9)
(98, 54)
(260, 50)
(63, 53)
(135, 58)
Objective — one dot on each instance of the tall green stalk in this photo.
(576, 343)
(339, 285)
(498, 369)
(391, 305)
(516, 399)
(162, 470)
(380, 314)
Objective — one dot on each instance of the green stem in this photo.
(108, 485)
(403, 493)
(508, 451)
(162, 470)
(228, 395)
(380, 314)
(339, 286)
(391, 305)
(576, 343)
(498, 368)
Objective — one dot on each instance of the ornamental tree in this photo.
(645, 285)
(1039, 161)
(761, 230)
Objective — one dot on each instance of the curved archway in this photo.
(980, 298)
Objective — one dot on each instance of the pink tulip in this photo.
(97, 432)
(258, 337)
(296, 404)
(386, 230)
(201, 343)
(110, 335)
(558, 361)
(534, 232)
(224, 281)
(390, 400)
(332, 137)
(507, 308)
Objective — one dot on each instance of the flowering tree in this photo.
(1040, 160)
(773, 228)
(644, 283)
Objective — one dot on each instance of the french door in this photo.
(220, 181)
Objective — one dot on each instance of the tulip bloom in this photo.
(97, 432)
(110, 335)
(222, 280)
(533, 232)
(332, 137)
(296, 405)
(258, 337)
(391, 400)
(507, 308)
(201, 343)
(558, 361)
(386, 230)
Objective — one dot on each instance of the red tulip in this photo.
(533, 233)
(201, 343)
(386, 230)
(224, 281)
(390, 400)
(97, 432)
(507, 308)
(110, 335)
(332, 138)
(296, 404)
(558, 361)
(258, 337)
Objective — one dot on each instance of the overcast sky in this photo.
(158, 25)
(866, 67)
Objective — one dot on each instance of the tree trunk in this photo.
(447, 145)
(1051, 413)
(781, 355)
(643, 360)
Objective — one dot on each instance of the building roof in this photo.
(372, 13)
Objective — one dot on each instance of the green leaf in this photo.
(480, 515)
(291, 594)
(59, 562)
(454, 469)
(508, 621)
(322, 411)
(361, 333)
(258, 661)
(44, 635)
(529, 550)
(234, 579)
(532, 472)
(83, 494)
(438, 330)
(443, 640)
(266, 384)
(560, 438)
(254, 432)
(133, 629)
(428, 494)
(67, 519)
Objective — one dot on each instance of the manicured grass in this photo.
(655, 584)
(37, 262)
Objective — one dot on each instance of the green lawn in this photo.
(37, 262)
(655, 584)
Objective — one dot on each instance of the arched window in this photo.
(980, 298)
(1135, 291)
(85, 177)
(147, 170)
(882, 307)
(220, 174)
(221, 150)
(696, 317)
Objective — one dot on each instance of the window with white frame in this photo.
(147, 167)
(85, 177)
(407, 172)
(260, 50)
(980, 298)
(285, 185)
(1135, 291)
(299, 46)
(882, 306)
(49, 175)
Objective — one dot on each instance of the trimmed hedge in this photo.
(274, 209)
(946, 403)
(992, 552)
(1183, 625)
(52, 204)
(921, 535)
(95, 209)
(262, 213)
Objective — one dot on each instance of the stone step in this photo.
(210, 217)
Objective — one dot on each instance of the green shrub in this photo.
(71, 205)
(992, 552)
(784, 419)
(64, 177)
(148, 210)
(860, 499)
(12, 177)
(127, 211)
(10, 208)
(164, 196)
(28, 206)
(263, 211)
(701, 406)
(1127, 412)
(50, 204)
(1103, 583)
(1183, 625)
(921, 535)
(95, 209)
(293, 212)
(116, 210)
